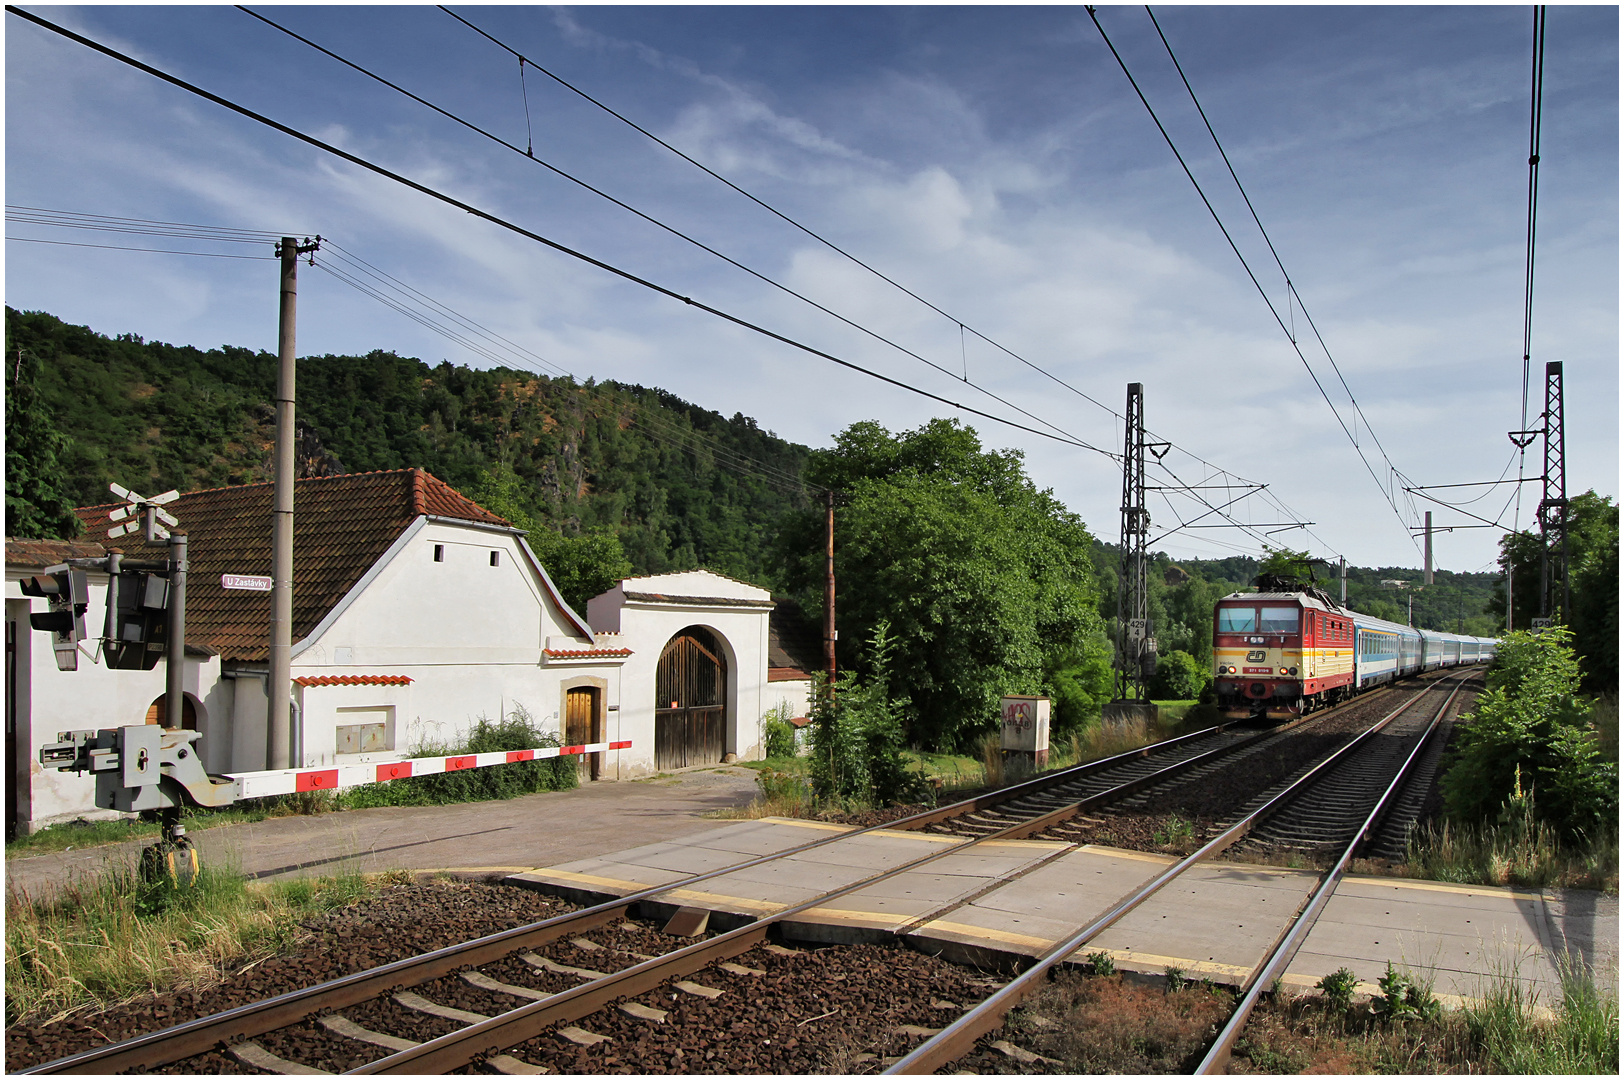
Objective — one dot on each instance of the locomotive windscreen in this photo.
(1279, 620)
(1237, 620)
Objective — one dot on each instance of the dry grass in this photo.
(1106, 1025)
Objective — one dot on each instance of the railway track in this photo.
(961, 1037)
(539, 965)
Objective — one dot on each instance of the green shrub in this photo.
(1405, 998)
(778, 734)
(857, 745)
(1530, 724)
(1179, 677)
(1338, 989)
(517, 732)
(1099, 963)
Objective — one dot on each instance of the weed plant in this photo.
(112, 938)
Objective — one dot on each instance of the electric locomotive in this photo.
(1283, 654)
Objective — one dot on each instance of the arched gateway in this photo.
(690, 700)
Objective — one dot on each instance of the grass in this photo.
(111, 938)
(1526, 854)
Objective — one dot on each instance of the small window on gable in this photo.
(439, 553)
(496, 558)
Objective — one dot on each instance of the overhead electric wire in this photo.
(529, 154)
(121, 247)
(1536, 103)
(1290, 337)
(242, 110)
(831, 245)
(825, 241)
(501, 222)
(1291, 287)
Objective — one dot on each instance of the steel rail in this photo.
(959, 1037)
(493, 1036)
(1274, 965)
(206, 1032)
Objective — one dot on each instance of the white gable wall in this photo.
(468, 634)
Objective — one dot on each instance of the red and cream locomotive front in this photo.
(1257, 649)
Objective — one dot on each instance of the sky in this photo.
(994, 161)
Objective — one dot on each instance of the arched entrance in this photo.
(158, 712)
(690, 700)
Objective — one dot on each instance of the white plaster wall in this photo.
(50, 701)
(796, 693)
(470, 636)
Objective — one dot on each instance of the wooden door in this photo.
(690, 701)
(581, 727)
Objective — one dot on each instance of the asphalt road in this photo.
(497, 837)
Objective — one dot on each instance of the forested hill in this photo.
(652, 468)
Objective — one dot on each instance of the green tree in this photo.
(37, 503)
(1287, 564)
(983, 579)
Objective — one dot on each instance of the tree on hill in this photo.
(37, 503)
(984, 580)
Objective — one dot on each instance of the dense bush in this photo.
(857, 743)
(517, 732)
(1179, 677)
(1531, 737)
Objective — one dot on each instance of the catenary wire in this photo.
(561, 248)
(1291, 286)
(525, 60)
(1386, 494)
(963, 326)
(656, 222)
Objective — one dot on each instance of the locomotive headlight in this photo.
(1294, 671)
(1282, 671)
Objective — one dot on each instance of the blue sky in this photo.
(993, 160)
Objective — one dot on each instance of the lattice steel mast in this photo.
(1136, 642)
(1553, 506)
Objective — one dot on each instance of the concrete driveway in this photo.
(500, 836)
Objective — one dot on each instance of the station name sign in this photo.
(251, 582)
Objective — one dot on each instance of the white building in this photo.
(416, 613)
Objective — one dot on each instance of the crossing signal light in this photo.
(141, 623)
(68, 594)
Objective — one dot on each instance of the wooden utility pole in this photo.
(279, 685)
(829, 633)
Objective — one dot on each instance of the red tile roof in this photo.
(353, 680)
(342, 526)
(38, 554)
(571, 654)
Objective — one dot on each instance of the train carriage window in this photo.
(1279, 620)
(1235, 620)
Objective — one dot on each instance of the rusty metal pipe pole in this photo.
(278, 685)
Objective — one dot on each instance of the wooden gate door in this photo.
(690, 701)
(581, 727)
